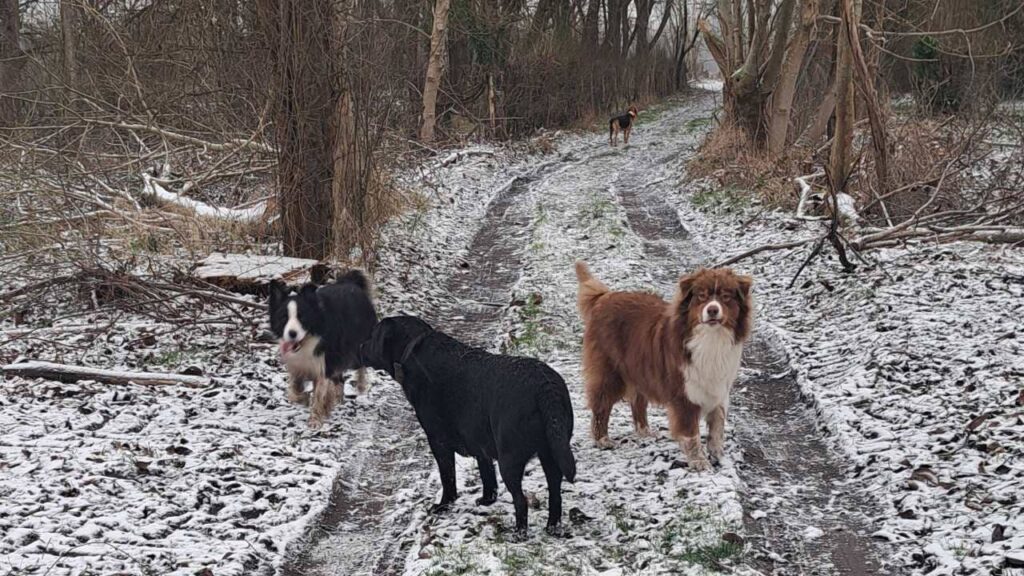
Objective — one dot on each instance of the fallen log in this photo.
(154, 187)
(71, 373)
(247, 273)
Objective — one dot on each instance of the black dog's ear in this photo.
(308, 291)
(278, 293)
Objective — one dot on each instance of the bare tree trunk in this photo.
(491, 104)
(613, 26)
(304, 99)
(591, 22)
(865, 81)
(433, 79)
(815, 131)
(350, 185)
(840, 164)
(785, 90)
(69, 35)
(11, 58)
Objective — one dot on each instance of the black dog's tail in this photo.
(356, 277)
(556, 409)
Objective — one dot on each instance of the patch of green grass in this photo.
(697, 124)
(620, 516)
(169, 358)
(694, 538)
(597, 207)
(616, 231)
(453, 562)
(729, 197)
(145, 243)
(531, 337)
(711, 556)
(542, 215)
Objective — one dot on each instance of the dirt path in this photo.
(799, 512)
(799, 517)
(357, 534)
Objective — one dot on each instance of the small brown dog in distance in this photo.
(683, 355)
(622, 122)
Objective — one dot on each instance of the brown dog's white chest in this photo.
(713, 366)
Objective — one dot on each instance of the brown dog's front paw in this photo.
(694, 454)
(699, 464)
(300, 398)
(646, 432)
(716, 453)
(604, 443)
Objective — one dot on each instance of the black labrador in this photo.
(483, 405)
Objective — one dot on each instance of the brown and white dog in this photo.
(622, 122)
(684, 355)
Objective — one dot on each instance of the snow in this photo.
(635, 508)
(96, 478)
(913, 366)
(899, 359)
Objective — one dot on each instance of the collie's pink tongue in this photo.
(286, 347)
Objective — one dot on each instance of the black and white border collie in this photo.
(319, 330)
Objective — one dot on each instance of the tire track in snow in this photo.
(801, 514)
(356, 534)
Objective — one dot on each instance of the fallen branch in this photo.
(154, 187)
(459, 155)
(805, 194)
(70, 373)
(233, 144)
(759, 249)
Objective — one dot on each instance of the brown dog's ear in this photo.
(686, 288)
(743, 290)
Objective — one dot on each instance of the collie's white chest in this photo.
(713, 366)
(305, 364)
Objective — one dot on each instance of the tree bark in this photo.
(11, 58)
(785, 90)
(304, 98)
(840, 165)
(591, 22)
(616, 21)
(433, 79)
(69, 35)
(865, 81)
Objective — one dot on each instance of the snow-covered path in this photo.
(635, 508)
(144, 480)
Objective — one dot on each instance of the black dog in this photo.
(623, 122)
(483, 405)
(320, 330)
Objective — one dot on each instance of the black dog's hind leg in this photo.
(512, 474)
(554, 478)
(490, 482)
(445, 458)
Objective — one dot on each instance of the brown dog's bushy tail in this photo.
(590, 289)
